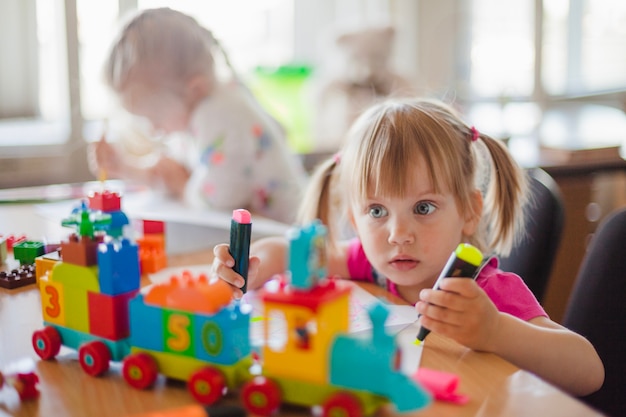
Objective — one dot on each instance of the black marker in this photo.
(464, 262)
(240, 234)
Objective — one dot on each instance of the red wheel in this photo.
(342, 404)
(261, 396)
(207, 385)
(47, 342)
(94, 358)
(140, 370)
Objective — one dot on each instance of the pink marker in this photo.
(240, 234)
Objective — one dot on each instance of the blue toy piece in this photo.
(307, 255)
(118, 265)
(349, 354)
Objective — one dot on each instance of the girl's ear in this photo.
(472, 218)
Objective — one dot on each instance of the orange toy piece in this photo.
(191, 294)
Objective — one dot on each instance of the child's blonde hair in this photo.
(160, 46)
(388, 140)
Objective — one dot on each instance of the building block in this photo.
(146, 325)
(76, 276)
(223, 338)
(307, 254)
(87, 222)
(19, 277)
(27, 250)
(12, 240)
(52, 301)
(153, 227)
(81, 250)
(179, 337)
(106, 201)
(118, 267)
(119, 220)
(76, 306)
(152, 255)
(45, 263)
(108, 314)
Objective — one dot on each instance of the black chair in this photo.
(597, 309)
(533, 257)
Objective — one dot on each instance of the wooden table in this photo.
(495, 387)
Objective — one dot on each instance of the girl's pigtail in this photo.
(318, 198)
(505, 199)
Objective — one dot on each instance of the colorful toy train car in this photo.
(189, 328)
(317, 362)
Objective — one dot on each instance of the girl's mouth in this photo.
(403, 264)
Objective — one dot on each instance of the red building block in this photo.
(12, 240)
(105, 201)
(153, 227)
(108, 314)
(81, 250)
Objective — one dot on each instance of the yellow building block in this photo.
(77, 276)
(43, 265)
(52, 301)
(76, 308)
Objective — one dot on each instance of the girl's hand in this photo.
(460, 310)
(104, 159)
(222, 268)
(173, 175)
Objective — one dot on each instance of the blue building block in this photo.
(118, 266)
(119, 219)
(146, 325)
(222, 338)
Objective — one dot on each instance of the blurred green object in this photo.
(281, 91)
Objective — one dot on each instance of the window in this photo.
(581, 44)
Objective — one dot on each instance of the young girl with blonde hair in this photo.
(162, 66)
(414, 181)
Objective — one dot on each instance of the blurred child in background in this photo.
(162, 68)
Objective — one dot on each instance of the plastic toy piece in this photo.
(152, 256)
(106, 201)
(12, 240)
(87, 222)
(240, 234)
(118, 267)
(27, 250)
(45, 263)
(81, 250)
(442, 385)
(24, 383)
(307, 255)
(16, 278)
(153, 227)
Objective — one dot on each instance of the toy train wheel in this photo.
(140, 370)
(207, 385)
(342, 404)
(47, 342)
(94, 358)
(261, 396)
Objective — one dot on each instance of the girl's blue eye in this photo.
(377, 212)
(424, 208)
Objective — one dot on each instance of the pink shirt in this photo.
(506, 290)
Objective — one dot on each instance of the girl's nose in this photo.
(401, 234)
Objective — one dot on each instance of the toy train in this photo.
(190, 329)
